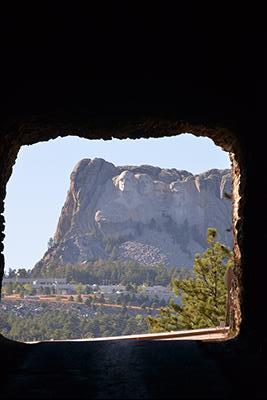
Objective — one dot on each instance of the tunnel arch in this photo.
(37, 130)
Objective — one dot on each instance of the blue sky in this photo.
(39, 183)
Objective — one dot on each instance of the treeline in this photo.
(62, 324)
(106, 272)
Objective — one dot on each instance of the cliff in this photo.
(147, 214)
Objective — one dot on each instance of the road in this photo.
(64, 299)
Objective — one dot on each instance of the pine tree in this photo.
(50, 243)
(79, 299)
(203, 296)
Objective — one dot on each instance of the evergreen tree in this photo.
(203, 295)
(79, 299)
(50, 243)
(88, 301)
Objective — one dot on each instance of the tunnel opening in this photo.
(234, 289)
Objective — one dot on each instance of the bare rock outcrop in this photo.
(147, 214)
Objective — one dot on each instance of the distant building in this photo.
(162, 292)
(109, 289)
(59, 285)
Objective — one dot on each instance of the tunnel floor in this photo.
(127, 369)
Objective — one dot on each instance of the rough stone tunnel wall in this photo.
(216, 87)
(41, 112)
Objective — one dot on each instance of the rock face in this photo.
(147, 214)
